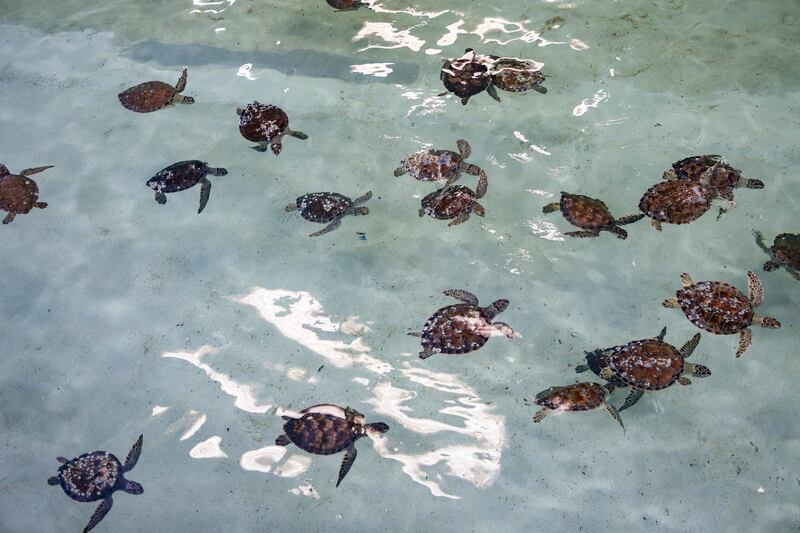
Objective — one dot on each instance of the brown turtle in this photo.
(723, 177)
(517, 75)
(455, 202)
(326, 429)
(722, 308)
(439, 165)
(650, 365)
(461, 328)
(183, 175)
(266, 125)
(325, 207)
(154, 95)
(676, 202)
(346, 5)
(19, 193)
(784, 252)
(590, 214)
(578, 397)
(467, 76)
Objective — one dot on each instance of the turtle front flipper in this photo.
(581, 368)
(541, 413)
(539, 89)
(630, 219)
(454, 177)
(262, 147)
(133, 455)
(327, 229)
(619, 232)
(464, 296)
(461, 218)
(399, 171)
(350, 455)
(426, 352)
(660, 336)
(760, 242)
(656, 224)
(34, 170)
(205, 194)
(483, 185)
(587, 233)
(755, 290)
(504, 329)
(745, 338)
(297, 134)
(282, 440)
(492, 92)
(615, 413)
(181, 85)
(688, 348)
(9, 218)
(99, 513)
(632, 398)
(362, 199)
(686, 280)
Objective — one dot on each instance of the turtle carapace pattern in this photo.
(439, 165)
(19, 193)
(784, 252)
(154, 95)
(578, 397)
(721, 308)
(183, 175)
(517, 75)
(96, 476)
(590, 214)
(454, 202)
(467, 76)
(463, 327)
(721, 176)
(328, 208)
(326, 429)
(266, 125)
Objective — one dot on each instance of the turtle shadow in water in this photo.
(310, 63)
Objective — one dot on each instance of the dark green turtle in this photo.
(578, 397)
(467, 76)
(183, 175)
(517, 75)
(784, 252)
(326, 429)
(346, 5)
(328, 208)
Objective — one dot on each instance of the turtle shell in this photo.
(516, 75)
(676, 201)
(262, 123)
(577, 397)
(448, 202)
(787, 249)
(147, 97)
(323, 206)
(716, 307)
(724, 178)
(457, 329)
(320, 433)
(178, 176)
(647, 364)
(18, 194)
(465, 76)
(344, 4)
(432, 165)
(90, 477)
(585, 212)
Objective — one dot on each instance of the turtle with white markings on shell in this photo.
(439, 165)
(266, 125)
(578, 397)
(328, 208)
(455, 202)
(467, 76)
(183, 175)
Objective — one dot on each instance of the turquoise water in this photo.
(122, 317)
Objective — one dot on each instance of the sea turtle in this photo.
(676, 202)
(784, 252)
(649, 365)
(467, 76)
(461, 328)
(590, 214)
(183, 175)
(517, 75)
(722, 308)
(578, 397)
(154, 95)
(324, 207)
(266, 125)
(19, 193)
(454, 202)
(96, 476)
(439, 165)
(723, 177)
(346, 5)
(326, 429)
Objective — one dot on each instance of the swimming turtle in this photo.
(183, 175)
(784, 252)
(266, 125)
(346, 5)
(649, 365)
(517, 75)
(676, 202)
(723, 177)
(19, 193)
(590, 214)
(722, 308)
(326, 429)
(324, 207)
(454, 202)
(578, 397)
(467, 76)
(96, 476)
(439, 165)
(461, 328)
(154, 95)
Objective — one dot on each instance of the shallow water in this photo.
(123, 317)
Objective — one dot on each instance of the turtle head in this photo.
(361, 210)
(700, 371)
(769, 266)
(379, 427)
(750, 183)
(131, 487)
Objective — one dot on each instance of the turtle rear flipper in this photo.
(9, 218)
(362, 199)
(399, 171)
(539, 89)
(205, 193)
(40, 205)
(755, 289)
(541, 413)
(461, 218)
(581, 368)
(464, 296)
(615, 413)
(661, 335)
(161, 198)
(297, 134)
(99, 513)
(133, 455)
(29, 171)
(349, 458)
(53, 481)
(493, 92)
(619, 232)
(283, 440)
(688, 348)
(587, 233)
(632, 398)
(483, 185)
(630, 219)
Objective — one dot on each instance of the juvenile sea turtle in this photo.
(19, 193)
(467, 76)
(723, 177)
(454, 202)
(266, 125)
(324, 207)
(722, 308)
(784, 252)
(461, 328)
(96, 476)
(346, 5)
(517, 75)
(590, 214)
(154, 95)
(649, 365)
(676, 202)
(326, 429)
(439, 165)
(183, 175)
(578, 397)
